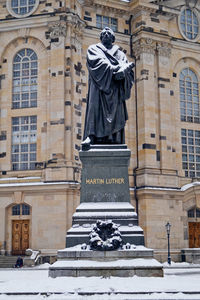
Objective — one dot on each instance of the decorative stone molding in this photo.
(86, 2)
(57, 29)
(118, 12)
(145, 45)
(105, 8)
(24, 32)
(164, 49)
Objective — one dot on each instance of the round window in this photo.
(189, 24)
(22, 8)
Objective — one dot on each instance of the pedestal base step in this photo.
(76, 262)
(120, 268)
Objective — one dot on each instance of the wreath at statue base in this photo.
(105, 236)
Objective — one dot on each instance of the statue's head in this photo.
(107, 34)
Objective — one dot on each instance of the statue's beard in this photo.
(107, 43)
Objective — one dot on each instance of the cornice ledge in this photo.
(142, 7)
(185, 45)
(120, 8)
(17, 24)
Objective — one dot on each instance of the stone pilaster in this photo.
(144, 50)
(56, 123)
(165, 106)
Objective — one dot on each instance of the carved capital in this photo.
(164, 49)
(76, 24)
(145, 45)
(57, 29)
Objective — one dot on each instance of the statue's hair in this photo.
(106, 29)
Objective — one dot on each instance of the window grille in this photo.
(189, 96)
(24, 137)
(103, 21)
(25, 71)
(189, 23)
(21, 209)
(22, 7)
(16, 210)
(194, 213)
(191, 152)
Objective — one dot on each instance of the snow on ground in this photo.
(174, 285)
(67, 296)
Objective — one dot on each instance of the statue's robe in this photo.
(106, 112)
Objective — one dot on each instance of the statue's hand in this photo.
(119, 75)
(130, 66)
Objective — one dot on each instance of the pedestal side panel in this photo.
(105, 175)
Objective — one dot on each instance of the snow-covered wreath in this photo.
(105, 236)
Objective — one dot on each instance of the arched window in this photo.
(189, 23)
(189, 96)
(25, 70)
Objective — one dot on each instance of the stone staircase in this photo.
(7, 261)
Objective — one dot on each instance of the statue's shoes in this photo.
(86, 144)
(86, 141)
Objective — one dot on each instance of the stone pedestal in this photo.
(105, 174)
(105, 196)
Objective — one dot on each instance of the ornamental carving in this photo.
(164, 49)
(76, 24)
(57, 29)
(145, 45)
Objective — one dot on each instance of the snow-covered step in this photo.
(105, 206)
(121, 213)
(74, 261)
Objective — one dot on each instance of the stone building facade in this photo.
(43, 91)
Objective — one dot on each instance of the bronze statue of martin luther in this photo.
(110, 81)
